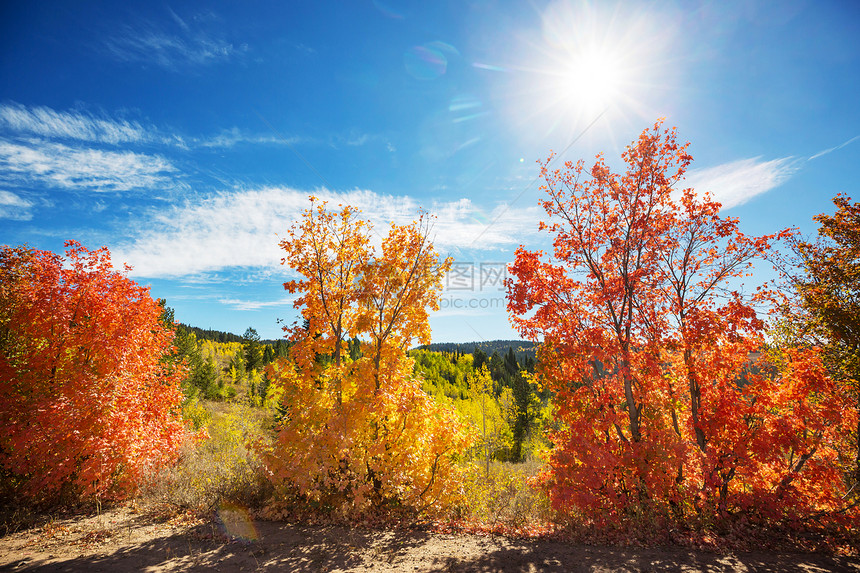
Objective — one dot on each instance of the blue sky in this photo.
(186, 137)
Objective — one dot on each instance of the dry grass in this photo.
(223, 468)
(504, 499)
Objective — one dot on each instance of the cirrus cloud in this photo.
(242, 229)
(737, 182)
(56, 165)
(46, 122)
(182, 46)
(14, 207)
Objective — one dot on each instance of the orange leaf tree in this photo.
(647, 340)
(88, 404)
(824, 274)
(356, 429)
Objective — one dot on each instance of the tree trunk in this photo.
(695, 399)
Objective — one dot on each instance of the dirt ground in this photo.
(123, 539)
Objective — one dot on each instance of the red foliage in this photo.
(649, 344)
(88, 406)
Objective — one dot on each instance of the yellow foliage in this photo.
(504, 498)
(221, 466)
(398, 446)
(194, 412)
(361, 433)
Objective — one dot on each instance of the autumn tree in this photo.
(396, 290)
(327, 249)
(647, 339)
(492, 427)
(89, 404)
(824, 276)
(357, 430)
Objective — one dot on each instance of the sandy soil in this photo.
(123, 539)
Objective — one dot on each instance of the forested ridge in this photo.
(522, 348)
(222, 336)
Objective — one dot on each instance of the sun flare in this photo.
(592, 81)
(591, 61)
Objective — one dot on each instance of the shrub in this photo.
(88, 403)
(503, 500)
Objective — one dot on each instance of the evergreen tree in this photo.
(268, 353)
(237, 367)
(252, 349)
(354, 345)
(207, 379)
(480, 358)
(511, 365)
(498, 372)
(526, 404)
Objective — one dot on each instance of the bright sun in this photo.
(593, 81)
(580, 85)
(591, 61)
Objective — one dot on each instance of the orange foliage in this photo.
(357, 431)
(87, 405)
(649, 343)
(826, 308)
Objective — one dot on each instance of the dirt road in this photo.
(123, 540)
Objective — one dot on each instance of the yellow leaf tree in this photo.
(357, 432)
(329, 250)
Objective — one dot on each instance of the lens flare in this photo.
(465, 107)
(387, 10)
(490, 67)
(423, 63)
(429, 61)
(237, 523)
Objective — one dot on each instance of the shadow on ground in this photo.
(285, 547)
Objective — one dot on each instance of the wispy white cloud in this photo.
(241, 229)
(46, 122)
(177, 19)
(304, 48)
(357, 138)
(240, 304)
(735, 183)
(14, 207)
(232, 137)
(152, 44)
(23, 122)
(832, 149)
(57, 165)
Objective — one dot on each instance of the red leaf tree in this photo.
(88, 405)
(649, 343)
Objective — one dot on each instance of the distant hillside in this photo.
(522, 348)
(221, 336)
(214, 335)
